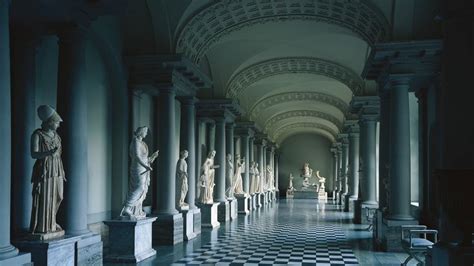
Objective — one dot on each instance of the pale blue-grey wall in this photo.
(301, 148)
(414, 148)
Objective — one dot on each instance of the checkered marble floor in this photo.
(276, 239)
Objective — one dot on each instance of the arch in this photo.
(269, 125)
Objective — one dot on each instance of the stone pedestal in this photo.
(360, 212)
(346, 203)
(188, 225)
(223, 212)
(253, 201)
(233, 208)
(451, 254)
(259, 199)
(243, 202)
(19, 259)
(51, 252)
(168, 229)
(209, 215)
(322, 195)
(89, 249)
(130, 240)
(305, 194)
(196, 220)
(352, 204)
(391, 233)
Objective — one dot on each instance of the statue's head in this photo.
(211, 154)
(184, 154)
(141, 131)
(229, 156)
(237, 156)
(252, 163)
(49, 117)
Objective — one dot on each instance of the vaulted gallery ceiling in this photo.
(293, 65)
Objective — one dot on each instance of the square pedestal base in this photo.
(196, 221)
(360, 212)
(243, 203)
(253, 201)
(89, 249)
(347, 203)
(322, 195)
(451, 254)
(233, 208)
(223, 212)
(352, 204)
(391, 234)
(209, 215)
(168, 229)
(260, 199)
(130, 240)
(305, 194)
(50, 252)
(20, 259)
(188, 225)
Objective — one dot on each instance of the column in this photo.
(168, 228)
(165, 185)
(260, 158)
(24, 115)
(229, 147)
(368, 157)
(6, 249)
(277, 173)
(384, 149)
(219, 189)
(251, 149)
(72, 105)
(339, 172)
(188, 142)
(211, 136)
(400, 150)
(345, 161)
(245, 152)
(353, 168)
(335, 170)
(201, 149)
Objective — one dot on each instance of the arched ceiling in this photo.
(293, 65)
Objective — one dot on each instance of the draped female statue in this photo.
(238, 186)
(140, 169)
(270, 178)
(182, 179)
(253, 178)
(48, 175)
(229, 176)
(206, 180)
(259, 180)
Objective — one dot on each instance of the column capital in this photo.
(187, 100)
(230, 125)
(369, 118)
(398, 80)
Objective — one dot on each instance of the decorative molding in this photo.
(219, 18)
(285, 97)
(285, 65)
(300, 125)
(300, 113)
(298, 130)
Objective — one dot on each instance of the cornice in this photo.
(270, 123)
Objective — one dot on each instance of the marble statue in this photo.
(307, 171)
(291, 189)
(322, 180)
(253, 178)
(182, 180)
(140, 169)
(270, 177)
(259, 188)
(229, 176)
(48, 174)
(206, 180)
(238, 186)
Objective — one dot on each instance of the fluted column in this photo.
(211, 136)
(353, 174)
(251, 149)
(6, 249)
(72, 103)
(219, 195)
(345, 161)
(399, 150)
(166, 182)
(229, 147)
(24, 112)
(335, 170)
(188, 142)
(245, 152)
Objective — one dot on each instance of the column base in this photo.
(233, 208)
(50, 252)
(260, 199)
(342, 200)
(188, 225)
(223, 212)
(89, 249)
(352, 201)
(391, 233)
(253, 200)
(451, 254)
(18, 259)
(360, 215)
(168, 229)
(346, 203)
(209, 215)
(243, 202)
(130, 240)
(196, 221)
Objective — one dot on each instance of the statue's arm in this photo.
(34, 149)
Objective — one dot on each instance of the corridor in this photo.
(292, 231)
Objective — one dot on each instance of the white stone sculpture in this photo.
(182, 180)
(259, 178)
(230, 177)
(322, 180)
(270, 178)
(140, 169)
(253, 178)
(206, 180)
(48, 175)
(238, 186)
(290, 189)
(307, 172)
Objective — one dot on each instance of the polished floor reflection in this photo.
(292, 231)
